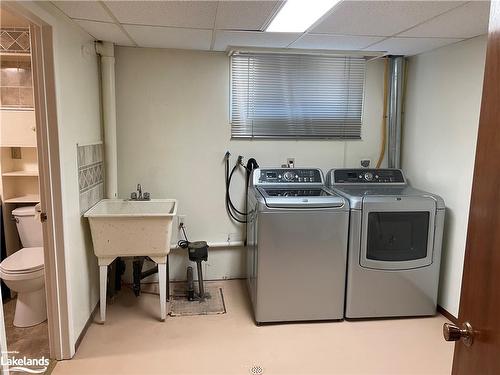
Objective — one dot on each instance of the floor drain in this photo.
(256, 370)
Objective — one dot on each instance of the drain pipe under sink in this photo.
(106, 51)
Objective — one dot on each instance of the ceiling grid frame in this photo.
(250, 30)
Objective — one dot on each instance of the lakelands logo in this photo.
(24, 364)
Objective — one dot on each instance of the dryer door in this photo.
(397, 232)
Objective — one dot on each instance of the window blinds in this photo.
(296, 96)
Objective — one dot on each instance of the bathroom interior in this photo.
(148, 225)
(22, 267)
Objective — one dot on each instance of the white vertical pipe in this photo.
(106, 51)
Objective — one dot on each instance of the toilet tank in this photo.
(28, 227)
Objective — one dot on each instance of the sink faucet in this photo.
(139, 195)
(139, 190)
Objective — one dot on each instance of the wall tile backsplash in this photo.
(15, 39)
(16, 83)
(90, 175)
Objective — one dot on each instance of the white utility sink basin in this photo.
(124, 228)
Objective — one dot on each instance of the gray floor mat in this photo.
(180, 306)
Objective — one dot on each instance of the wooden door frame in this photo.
(58, 312)
(482, 232)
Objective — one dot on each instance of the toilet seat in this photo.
(28, 260)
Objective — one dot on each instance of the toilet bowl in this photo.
(23, 272)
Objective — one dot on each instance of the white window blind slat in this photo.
(296, 96)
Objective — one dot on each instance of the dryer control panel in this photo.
(289, 176)
(367, 176)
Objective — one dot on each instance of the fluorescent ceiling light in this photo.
(297, 15)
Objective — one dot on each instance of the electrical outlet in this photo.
(234, 237)
(181, 219)
(15, 153)
(365, 163)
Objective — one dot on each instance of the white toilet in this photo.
(23, 271)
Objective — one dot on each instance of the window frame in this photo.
(298, 137)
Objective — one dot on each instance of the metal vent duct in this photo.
(395, 107)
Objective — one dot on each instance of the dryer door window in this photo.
(397, 232)
(397, 236)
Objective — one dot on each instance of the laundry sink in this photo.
(124, 228)
(131, 228)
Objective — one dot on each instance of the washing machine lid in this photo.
(300, 197)
(25, 260)
(24, 211)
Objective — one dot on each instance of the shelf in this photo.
(21, 146)
(20, 174)
(9, 56)
(6, 108)
(30, 198)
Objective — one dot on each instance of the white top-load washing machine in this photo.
(296, 246)
(395, 235)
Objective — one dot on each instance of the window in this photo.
(397, 236)
(296, 96)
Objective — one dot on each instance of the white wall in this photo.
(78, 117)
(439, 143)
(173, 130)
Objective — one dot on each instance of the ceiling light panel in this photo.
(298, 15)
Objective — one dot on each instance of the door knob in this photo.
(452, 332)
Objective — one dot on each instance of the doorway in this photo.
(23, 297)
(30, 190)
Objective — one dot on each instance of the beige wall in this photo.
(173, 131)
(78, 115)
(439, 143)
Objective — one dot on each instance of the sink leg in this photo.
(103, 279)
(162, 276)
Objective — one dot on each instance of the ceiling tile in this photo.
(380, 18)
(170, 37)
(223, 39)
(104, 31)
(245, 15)
(335, 42)
(87, 10)
(410, 46)
(195, 14)
(467, 21)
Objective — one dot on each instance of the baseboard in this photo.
(447, 314)
(86, 327)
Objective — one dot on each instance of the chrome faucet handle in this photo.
(139, 191)
(133, 196)
(146, 196)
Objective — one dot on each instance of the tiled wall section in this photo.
(90, 175)
(15, 39)
(16, 85)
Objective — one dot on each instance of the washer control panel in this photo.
(368, 176)
(290, 176)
